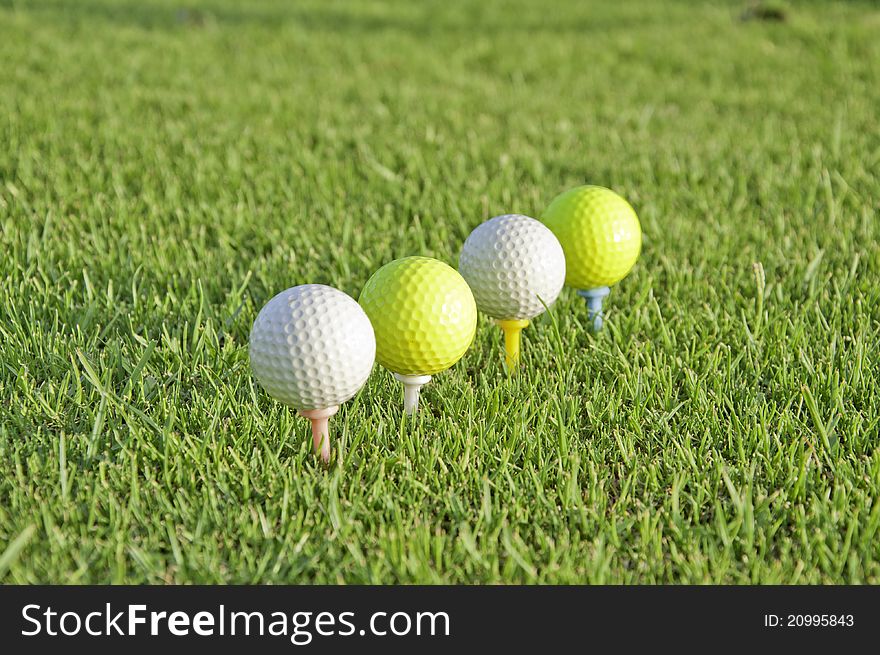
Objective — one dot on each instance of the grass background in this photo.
(166, 168)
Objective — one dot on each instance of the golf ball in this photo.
(312, 347)
(599, 232)
(424, 315)
(514, 266)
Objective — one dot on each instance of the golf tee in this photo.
(320, 430)
(594, 298)
(412, 384)
(512, 341)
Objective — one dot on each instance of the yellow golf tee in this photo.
(512, 329)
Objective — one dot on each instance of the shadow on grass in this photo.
(352, 19)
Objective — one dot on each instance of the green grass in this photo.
(164, 172)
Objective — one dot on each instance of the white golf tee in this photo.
(412, 384)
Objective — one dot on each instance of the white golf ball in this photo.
(514, 266)
(312, 347)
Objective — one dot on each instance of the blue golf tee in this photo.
(594, 298)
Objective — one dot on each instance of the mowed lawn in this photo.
(167, 167)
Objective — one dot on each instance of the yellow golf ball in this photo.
(423, 314)
(600, 235)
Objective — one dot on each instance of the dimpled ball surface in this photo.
(599, 232)
(513, 263)
(424, 315)
(312, 347)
